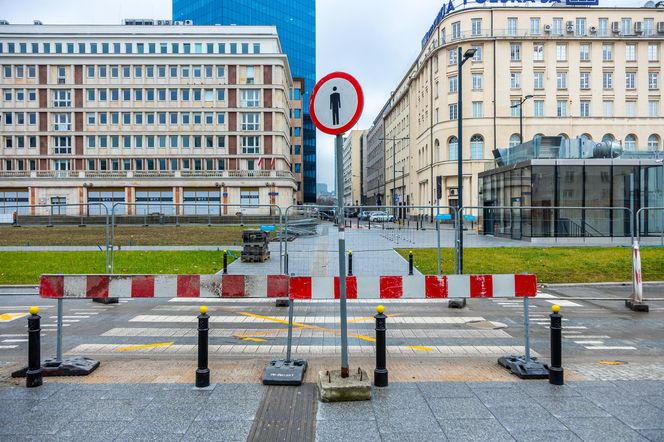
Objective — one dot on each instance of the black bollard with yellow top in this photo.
(556, 369)
(33, 377)
(350, 263)
(203, 372)
(380, 373)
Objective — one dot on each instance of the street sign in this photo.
(336, 103)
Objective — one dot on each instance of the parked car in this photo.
(327, 215)
(364, 215)
(380, 217)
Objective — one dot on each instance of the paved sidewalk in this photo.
(423, 411)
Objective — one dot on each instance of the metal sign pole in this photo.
(342, 253)
(290, 330)
(58, 342)
(438, 237)
(526, 329)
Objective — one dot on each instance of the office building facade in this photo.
(146, 114)
(296, 24)
(374, 172)
(354, 147)
(591, 72)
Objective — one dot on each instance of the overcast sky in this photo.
(374, 40)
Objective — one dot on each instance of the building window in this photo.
(515, 108)
(584, 80)
(653, 80)
(561, 108)
(538, 80)
(515, 80)
(607, 80)
(250, 145)
(62, 145)
(630, 109)
(512, 26)
(478, 109)
(653, 142)
(607, 108)
(607, 52)
(535, 25)
(630, 80)
(561, 52)
(453, 147)
(452, 56)
(476, 26)
(580, 26)
(478, 82)
(62, 122)
(630, 52)
(538, 52)
(456, 30)
(584, 108)
(603, 27)
(630, 142)
(476, 147)
(515, 139)
(515, 52)
(538, 108)
(561, 80)
(453, 83)
(478, 53)
(653, 52)
(249, 196)
(453, 111)
(584, 52)
(626, 26)
(251, 121)
(653, 108)
(250, 71)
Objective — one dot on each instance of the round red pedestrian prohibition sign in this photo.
(336, 103)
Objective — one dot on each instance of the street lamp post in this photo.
(462, 58)
(394, 170)
(520, 106)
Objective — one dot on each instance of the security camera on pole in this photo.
(335, 106)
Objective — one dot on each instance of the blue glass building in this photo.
(296, 24)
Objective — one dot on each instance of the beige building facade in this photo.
(592, 72)
(353, 166)
(168, 119)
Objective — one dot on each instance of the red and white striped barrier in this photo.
(282, 286)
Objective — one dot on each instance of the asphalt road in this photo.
(594, 331)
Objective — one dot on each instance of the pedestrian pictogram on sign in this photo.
(336, 103)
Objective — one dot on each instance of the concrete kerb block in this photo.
(333, 388)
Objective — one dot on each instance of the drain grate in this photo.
(286, 414)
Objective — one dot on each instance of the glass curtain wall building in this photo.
(296, 24)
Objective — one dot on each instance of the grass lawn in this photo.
(25, 267)
(124, 235)
(552, 265)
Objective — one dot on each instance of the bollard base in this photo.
(75, 366)
(637, 306)
(106, 300)
(283, 372)
(33, 378)
(380, 377)
(456, 303)
(333, 388)
(281, 302)
(202, 377)
(524, 370)
(556, 376)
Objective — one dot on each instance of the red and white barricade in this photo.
(282, 286)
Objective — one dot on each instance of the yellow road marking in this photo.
(369, 318)
(612, 362)
(318, 327)
(254, 339)
(141, 347)
(6, 317)
(261, 333)
(419, 347)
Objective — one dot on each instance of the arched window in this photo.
(630, 142)
(586, 137)
(563, 136)
(437, 144)
(653, 142)
(514, 140)
(454, 148)
(476, 147)
(608, 138)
